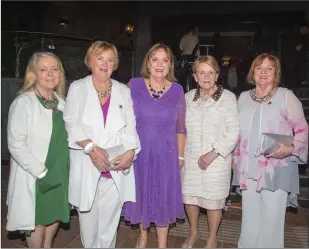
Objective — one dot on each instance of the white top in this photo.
(188, 43)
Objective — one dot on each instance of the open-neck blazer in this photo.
(84, 120)
(30, 127)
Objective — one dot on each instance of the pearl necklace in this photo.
(263, 99)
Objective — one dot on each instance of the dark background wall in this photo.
(274, 25)
(89, 21)
(154, 21)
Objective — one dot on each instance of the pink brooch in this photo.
(269, 102)
(120, 106)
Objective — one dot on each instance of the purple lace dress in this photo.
(157, 173)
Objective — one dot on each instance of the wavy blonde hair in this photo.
(98, 48)
(207, 59)
(258, 61)
(30, 80)
(144, 70)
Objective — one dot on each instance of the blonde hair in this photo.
(258, 61)
(98, 48)
(30, 80)
(208, 59)
(144, 70)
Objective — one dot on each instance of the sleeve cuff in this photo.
(43, 174)
(219, 152)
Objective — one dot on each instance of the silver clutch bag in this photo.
(113, 152)
(268, 143)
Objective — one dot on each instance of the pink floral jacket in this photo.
(282, 114)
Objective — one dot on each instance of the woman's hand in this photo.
(233, 164)
(123, 161)
(206, 159)
(99, 158)
(181, 163)
(282, 152)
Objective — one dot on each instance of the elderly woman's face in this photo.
(205, 76)
(159, 64)
(264, 74)
(102, 65)
(47, 73)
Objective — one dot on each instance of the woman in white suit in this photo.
(37, 140)
(212, 131)
(99, 115)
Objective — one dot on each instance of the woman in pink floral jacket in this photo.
(268, 182)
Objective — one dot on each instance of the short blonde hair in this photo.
(30, 80)
(258, 61)
(208, 59)
(98, 48)
(144, 70)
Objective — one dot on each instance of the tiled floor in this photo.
(296, 231)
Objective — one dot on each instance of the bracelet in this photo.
(88, 148)
(181, 158)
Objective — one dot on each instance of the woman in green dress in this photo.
(37, 140)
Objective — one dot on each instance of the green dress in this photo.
(52, 190)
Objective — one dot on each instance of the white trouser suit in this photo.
(263, 218)
(99, 200)
(98, 227)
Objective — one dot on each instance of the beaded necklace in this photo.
(49, 103)
(105, 93)
(156, 94)
(263, 99)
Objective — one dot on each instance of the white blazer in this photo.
(29, 132)
(84, 120)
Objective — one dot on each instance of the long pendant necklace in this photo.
(49, 103)
(102, 94)
(156, 94)
(263, 99)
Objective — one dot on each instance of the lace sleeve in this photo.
(181, 121)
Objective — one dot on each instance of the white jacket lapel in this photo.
(116, 112)
(92, 115)
(61, 103)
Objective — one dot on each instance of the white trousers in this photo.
(263, 217)
(98, 227)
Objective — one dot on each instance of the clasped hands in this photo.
(205, 160)
(100, 160)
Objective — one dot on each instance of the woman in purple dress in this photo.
(159, 107)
